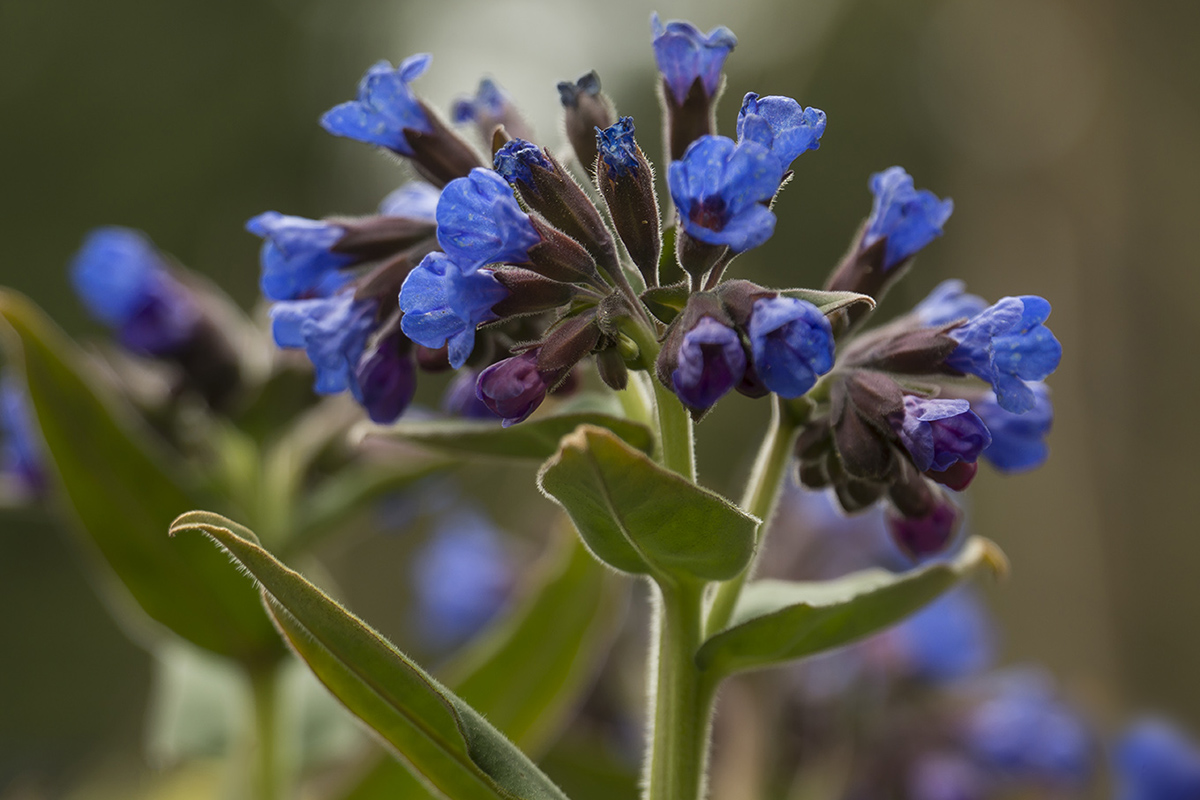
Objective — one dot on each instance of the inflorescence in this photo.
(514, 270)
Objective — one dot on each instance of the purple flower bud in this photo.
(781, 125)
(684, 54)
(385, 107)
(720, 187)
(939, 433)
(711, 362)
(908, 219)
(1018, 440)
(792, 344)
(385, 379)
(1155, 760)
(513, 388)
(124, 283)
(480, 222)
(460, 399)
(1006, 345)
(922, 537)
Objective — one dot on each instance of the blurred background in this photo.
(1066, 131)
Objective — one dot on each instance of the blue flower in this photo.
(1018, 440)
(939, 433)
(617, 147)
(947, 302)
(1154, 760)
(385, 379)
(385, 107)
(443, 304)
(462, 578)
(780, 124)
(949, 639)
(792, 344)
(1024, 732)
(1007, 345)
(907, 218)
(20, 448)
(719, 188)
(513, 388)
(684, 54)
(332, 330)
(489, 103)
(480, 222)
(297, 254)
(122, 281)
(516, 157)
(711, 362)
(416, 200)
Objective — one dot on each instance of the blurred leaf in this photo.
(829, 302)
(779, 621)
(640, 518)
(197, 705)
(537, 439)
(665, 302)
(440, 736)
(530, 672)
(124, 495)
(584, 765)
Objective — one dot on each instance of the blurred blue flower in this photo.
(947, 302)
(791, 342)
(907, 218)
(711, 362)
(462, 578)
(460, 399)
(941, 776)
(939, 433)
(1155, 760)
(684, 54)
(515, 158)
(20, 442)
(1024, 732)
(781, 125)
(1018, 440)
(385, 107)
(332, 330)
(949, 639)
(480, 222)
(123, 282)
(1006, 345)
(489, 103)
(720, 187)
(443, 304)
(297, 254)
(416, 200)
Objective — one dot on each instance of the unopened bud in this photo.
(626, 180)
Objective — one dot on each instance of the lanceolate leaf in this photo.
(830, 302)
(537, 439)
(530, 672)
(443, 739)
(778, 621)
(640, 518)
(124, 496)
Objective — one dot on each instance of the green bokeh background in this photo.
(1067, 132)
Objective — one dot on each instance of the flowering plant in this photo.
(521, 271)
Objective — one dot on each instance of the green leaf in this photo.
(124, 494)
(444, 740)
(537, 439)
(640, 518)
(779, 621)
(665, 302)
(829, 302)
(528, 674)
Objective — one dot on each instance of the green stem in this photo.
(762, 492)
(682, 700)
(267, 774)
(676, 446)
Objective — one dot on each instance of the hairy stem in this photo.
(682, 700)
(762, 492)
(267, 775)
